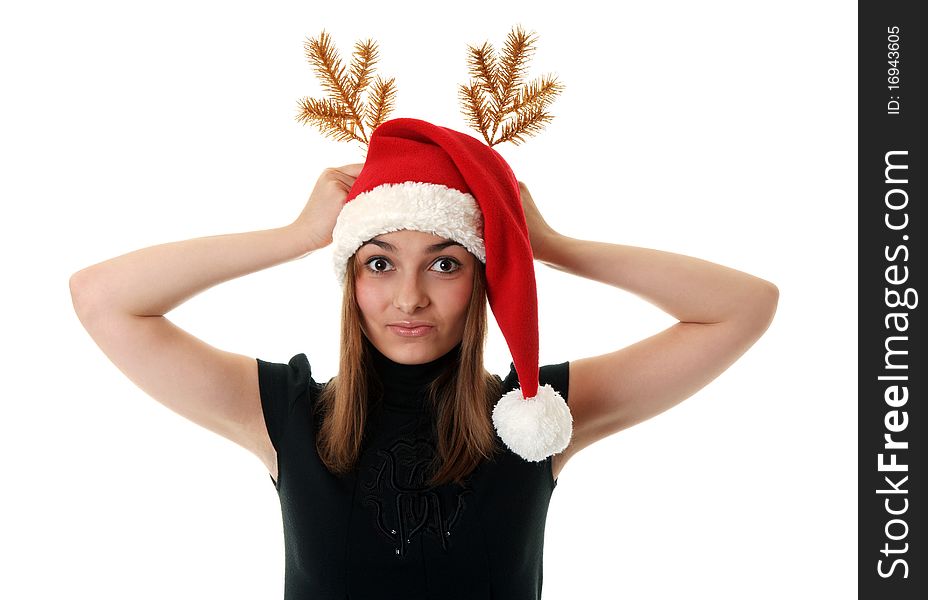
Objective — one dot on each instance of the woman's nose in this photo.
(410, 294)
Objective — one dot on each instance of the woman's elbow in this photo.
(763, 306)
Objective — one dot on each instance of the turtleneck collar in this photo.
(405, 385)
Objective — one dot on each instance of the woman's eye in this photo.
(377, 260)
(448, 262)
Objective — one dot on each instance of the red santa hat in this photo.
(428, 178)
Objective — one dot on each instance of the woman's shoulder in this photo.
(557, 375)
(295, 376)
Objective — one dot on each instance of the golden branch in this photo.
(501, 81)
(342, 115)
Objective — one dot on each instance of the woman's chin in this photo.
(413, 351)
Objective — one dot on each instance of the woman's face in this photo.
(413, 277)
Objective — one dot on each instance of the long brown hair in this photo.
(462, 397)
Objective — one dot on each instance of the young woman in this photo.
(392, 480)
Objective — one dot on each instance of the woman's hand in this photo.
(317, 220)
(540, 234)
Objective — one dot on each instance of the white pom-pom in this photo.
(534, 428)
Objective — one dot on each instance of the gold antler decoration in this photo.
(343, 115)
(503, 83)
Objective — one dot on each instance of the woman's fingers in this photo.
(538, 229)
(352, 170)
(347, 173)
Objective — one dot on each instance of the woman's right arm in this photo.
(122, 302)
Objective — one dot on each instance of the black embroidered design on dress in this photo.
(404, 507)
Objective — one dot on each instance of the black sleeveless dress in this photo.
(380, 532)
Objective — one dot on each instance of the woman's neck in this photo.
(405, 386)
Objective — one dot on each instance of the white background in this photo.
(721, 130)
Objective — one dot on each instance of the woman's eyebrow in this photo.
(385, 245)
(436, 247)
(429, 249)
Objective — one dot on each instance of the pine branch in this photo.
(342, 115)
(332, 118)
(537, 93)
(475, 108)
(362, 65)
(384, 94)
(497, 91)
(512, 69)
(483, 67)
(328, 66)
(529, 123)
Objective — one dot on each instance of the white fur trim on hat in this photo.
(534, 428)
(428, 207)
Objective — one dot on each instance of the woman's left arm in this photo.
(721, 313)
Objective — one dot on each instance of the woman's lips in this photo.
(410, 331)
